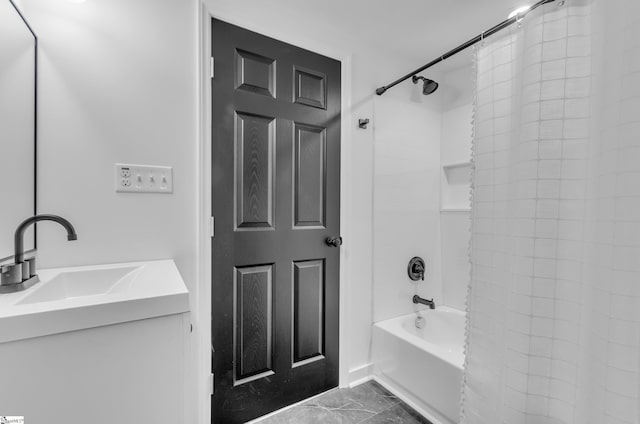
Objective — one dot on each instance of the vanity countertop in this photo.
(75, 298)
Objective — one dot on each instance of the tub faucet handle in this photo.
(416, 268)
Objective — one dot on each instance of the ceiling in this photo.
(418, 30)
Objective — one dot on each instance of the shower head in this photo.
(429, 86)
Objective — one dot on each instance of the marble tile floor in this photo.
(368, 403)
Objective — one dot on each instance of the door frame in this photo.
(202, 327)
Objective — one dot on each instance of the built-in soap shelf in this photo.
(455, 210)
(454, 171)
(456, 187)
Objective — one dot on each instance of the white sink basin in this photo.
(75, 298)
(69, 285)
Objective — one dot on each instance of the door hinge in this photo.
(212, 226)
(211, 384)
(212, 71)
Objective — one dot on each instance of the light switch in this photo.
(143, 178)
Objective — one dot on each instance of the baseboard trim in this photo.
(360, 374)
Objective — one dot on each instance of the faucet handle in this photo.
(416, 269)
(32, 267)
(11, 274)
(15, 277)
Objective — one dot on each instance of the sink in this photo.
(77, 298)
(74, 284)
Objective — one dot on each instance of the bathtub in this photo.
(423, 366)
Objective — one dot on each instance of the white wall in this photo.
(117, 83)
(406, 198)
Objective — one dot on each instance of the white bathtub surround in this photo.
(455, 230)
(406, 202)
(423, 366)
(554, 322)
(455, 205)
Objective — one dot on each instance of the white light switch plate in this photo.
(143, 178)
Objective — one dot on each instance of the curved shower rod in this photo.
(502, 25)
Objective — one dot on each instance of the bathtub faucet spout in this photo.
(429, 303)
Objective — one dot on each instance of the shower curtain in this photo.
(553, 330)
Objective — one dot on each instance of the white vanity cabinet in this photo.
(116, 357)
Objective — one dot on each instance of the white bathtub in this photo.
(423, 366)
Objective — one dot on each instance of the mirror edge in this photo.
(35, 131)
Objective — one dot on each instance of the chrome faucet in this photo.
(429, 303)
(21, 274)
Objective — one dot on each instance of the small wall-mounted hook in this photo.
(362, 123)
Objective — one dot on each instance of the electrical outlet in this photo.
(125, 171)
(143, 178)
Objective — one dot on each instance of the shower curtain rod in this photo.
(380, 91)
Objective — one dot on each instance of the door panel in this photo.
(308, 310)
(255, 170)
(253, 322)
(255, 73)
(275, 178)
(310, 87)
(310, 175)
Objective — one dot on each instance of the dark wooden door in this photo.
(276, 200)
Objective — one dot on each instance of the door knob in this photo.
(334, 241)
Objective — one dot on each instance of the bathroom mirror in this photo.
(18, 52)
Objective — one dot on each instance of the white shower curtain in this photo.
(553, 331)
